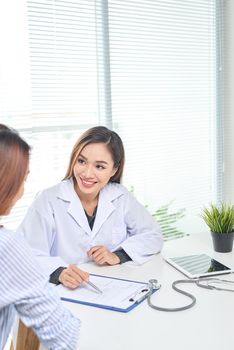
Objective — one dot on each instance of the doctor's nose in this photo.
(88, 172)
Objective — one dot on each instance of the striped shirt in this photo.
(26, 292)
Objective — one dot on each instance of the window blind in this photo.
(57, 42)
(148, 69)
(164, 78)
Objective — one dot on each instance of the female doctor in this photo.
(90, 215)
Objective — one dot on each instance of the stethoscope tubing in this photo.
(214, 280)
(198, 281)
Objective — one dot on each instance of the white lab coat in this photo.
(57, 228)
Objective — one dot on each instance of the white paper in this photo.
(116, 293)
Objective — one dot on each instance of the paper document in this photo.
(117, 294)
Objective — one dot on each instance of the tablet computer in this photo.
(198, 265)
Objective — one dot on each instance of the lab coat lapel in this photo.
(105, 206)
(75, 208)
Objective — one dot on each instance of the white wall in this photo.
(229, 101)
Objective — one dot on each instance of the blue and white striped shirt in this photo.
(25, 290)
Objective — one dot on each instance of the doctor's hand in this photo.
(72, 276)
(101, 255)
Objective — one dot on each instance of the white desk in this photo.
(208, 325)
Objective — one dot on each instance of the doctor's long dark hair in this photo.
(100, 134)
(14, 158)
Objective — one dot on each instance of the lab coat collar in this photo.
(105, 204)
(67, 193)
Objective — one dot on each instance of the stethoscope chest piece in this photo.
(153, 283)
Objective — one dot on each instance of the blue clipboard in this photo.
(118, 294)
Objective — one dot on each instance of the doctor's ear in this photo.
(114, 171)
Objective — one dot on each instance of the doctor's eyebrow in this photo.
(102, 162)
(97, 161)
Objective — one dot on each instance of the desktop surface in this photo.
(208, 325)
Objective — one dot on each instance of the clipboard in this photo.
(118, 294)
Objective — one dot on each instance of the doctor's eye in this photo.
(100, 167)
(81, 161)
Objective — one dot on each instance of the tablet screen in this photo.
(198, 265)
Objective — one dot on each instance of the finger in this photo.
(78, 274)
(94, 249)
(84, 275)
(96, 254)
(110, 259)
(74, 277)
(101, 261)
(69, 274)
(101, 250)
(100, 257)
(70, 285)
(68, 281)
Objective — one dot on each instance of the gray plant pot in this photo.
(222, 242)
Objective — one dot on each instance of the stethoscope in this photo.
(207, 283)
(210, 281)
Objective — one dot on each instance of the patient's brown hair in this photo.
(14, 158)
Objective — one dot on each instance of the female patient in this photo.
(23, 289)
(89, 215)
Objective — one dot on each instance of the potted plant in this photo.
(220, 220)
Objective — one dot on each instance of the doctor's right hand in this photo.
(72, 276)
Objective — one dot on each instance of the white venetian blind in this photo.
(164, 58)
(149, 69)
(58, 70)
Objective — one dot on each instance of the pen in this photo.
(94, 286)
(144, 296)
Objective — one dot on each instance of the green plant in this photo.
(167, 221)
(219, 219)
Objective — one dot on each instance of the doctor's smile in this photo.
(87, 183)
(93, 169)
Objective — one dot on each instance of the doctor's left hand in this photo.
(101, 255)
